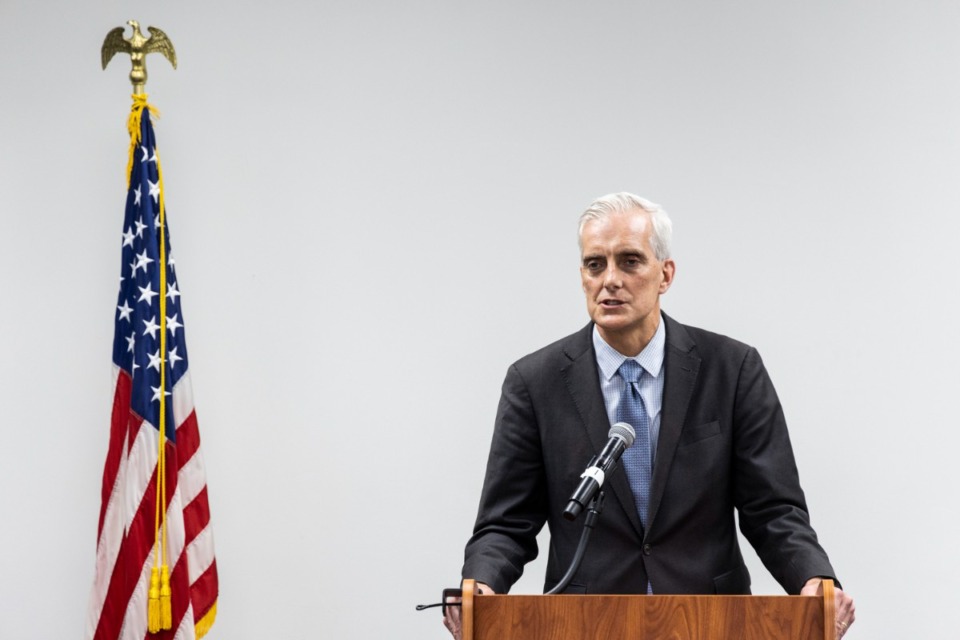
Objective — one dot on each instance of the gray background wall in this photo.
(373, 211)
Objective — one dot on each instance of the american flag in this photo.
(126, 539)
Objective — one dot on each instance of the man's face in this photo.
(622, 277)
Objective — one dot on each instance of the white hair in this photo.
(623, 202)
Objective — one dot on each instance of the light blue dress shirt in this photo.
(651, 385)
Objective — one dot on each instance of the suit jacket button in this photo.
(647, 549)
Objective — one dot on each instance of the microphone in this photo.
(621, 436)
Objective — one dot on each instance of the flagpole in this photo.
(159, 610)
(154, 478)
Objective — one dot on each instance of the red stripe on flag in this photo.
(133, 428)
(196, 516)
(188, 438)
(203, 592)
(118, 424)
(180, 589)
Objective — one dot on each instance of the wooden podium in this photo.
(641, 617)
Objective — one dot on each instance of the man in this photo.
(711, 439)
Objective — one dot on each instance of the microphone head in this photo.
(623, 431)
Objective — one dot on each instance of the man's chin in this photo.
(612, 323)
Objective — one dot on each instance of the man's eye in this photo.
(594, 265)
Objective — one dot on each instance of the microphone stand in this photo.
(593, 514)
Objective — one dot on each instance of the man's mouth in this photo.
(612, 303)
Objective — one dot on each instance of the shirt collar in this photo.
(651, 358)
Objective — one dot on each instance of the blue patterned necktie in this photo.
(637, 461)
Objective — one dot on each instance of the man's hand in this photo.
(452, 620)
(844, 604)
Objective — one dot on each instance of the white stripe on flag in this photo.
(192, 478)
(182, 399)
(187, 629)
(141, 465)
(200, 554)
(175, 530)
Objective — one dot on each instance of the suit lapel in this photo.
(682, 365)
(583, 384)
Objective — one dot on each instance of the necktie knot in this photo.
(630, 371)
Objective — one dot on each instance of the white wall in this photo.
(373, 212)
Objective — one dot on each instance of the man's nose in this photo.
(612, 278)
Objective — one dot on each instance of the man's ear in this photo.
(669, 270)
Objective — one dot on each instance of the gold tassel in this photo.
(153, 604)
(166, 612)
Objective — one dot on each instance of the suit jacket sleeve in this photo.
(766, 484)
(513, 501)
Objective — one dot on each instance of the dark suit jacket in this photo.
(723, 446)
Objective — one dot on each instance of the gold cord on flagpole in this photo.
(159, 609)
(166, 612)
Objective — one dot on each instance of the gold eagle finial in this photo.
(138, 47)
